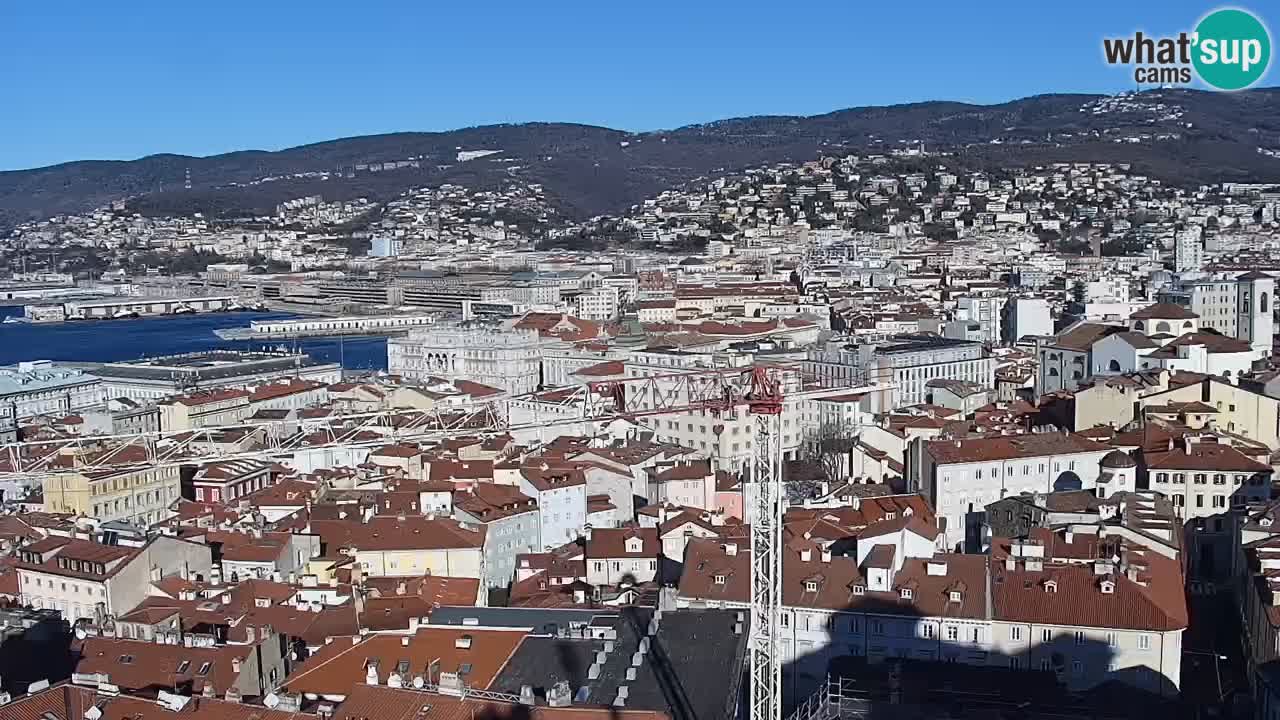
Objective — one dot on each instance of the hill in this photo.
(1185, 137)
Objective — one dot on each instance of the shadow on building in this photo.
(895, 669)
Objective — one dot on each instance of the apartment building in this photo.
(1054, 603)
(87, 580)
(961, 477)
(140, 495)
(618, 556)
(561, 496)
(510, 519)
(210, 408)
(407, 545)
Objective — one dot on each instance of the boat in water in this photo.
(184, 310)
(126, 315)
(15, 319)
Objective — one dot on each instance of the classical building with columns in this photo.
(486, 353)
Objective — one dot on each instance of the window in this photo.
(784, 619)
(1199, 501)
(1144, 642)
(953, 632)
(1079, 637)
(1077, 668)
(719, 579)
(1015, 633)
(1219, 501)
(926, 631)
(1111, 639)
(1162, 477)
(1219, 479)
(906, 593)
(1200, 478)
(1045, 665)
(183, 666)
(811, 586)
(1046, 635)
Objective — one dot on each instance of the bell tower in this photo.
(1256, 291)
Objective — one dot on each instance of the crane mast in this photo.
(769, 505)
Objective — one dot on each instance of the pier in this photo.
(120, 307)
(328, 327)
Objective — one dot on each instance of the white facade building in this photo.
(488, 354)
(961, 477)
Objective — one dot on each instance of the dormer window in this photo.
(811, 586)
(1108, 587)
(906, 593)
(719, 579)
(1051, 586)
(954, 595)
(1265, 522)
(859, 589)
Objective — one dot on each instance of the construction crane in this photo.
(762, 391)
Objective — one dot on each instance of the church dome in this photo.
(1117, 459)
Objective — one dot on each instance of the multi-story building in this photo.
(961, 477)
(1238, 307)
(560, 493)
(155, 378)
(618, 556)
(489, 354)
(230, 480)
(1046, 603)
(41, 388)
(140, 495)
(84, 579)
(511, 521)
(726, 435)
(599, 303)
(902, 367)
(407, 545)
(983, 311)
(1027, 317)
(211, 408)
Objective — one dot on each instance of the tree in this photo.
(829, 448)
(1077, 292)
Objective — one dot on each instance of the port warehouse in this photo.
(435, 291)
(109, 308)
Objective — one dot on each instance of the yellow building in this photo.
(140, 494)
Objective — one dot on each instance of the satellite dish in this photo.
(272, 701)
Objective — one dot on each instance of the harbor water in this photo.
(131, 339)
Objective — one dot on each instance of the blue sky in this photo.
(108, 80)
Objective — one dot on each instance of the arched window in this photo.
(1162, 326)
(1263, 304)
(1114, 365)
(1139, 325)
(1188, 325)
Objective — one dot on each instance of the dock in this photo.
(385, 325)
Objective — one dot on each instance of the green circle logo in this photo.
(1232, 49)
